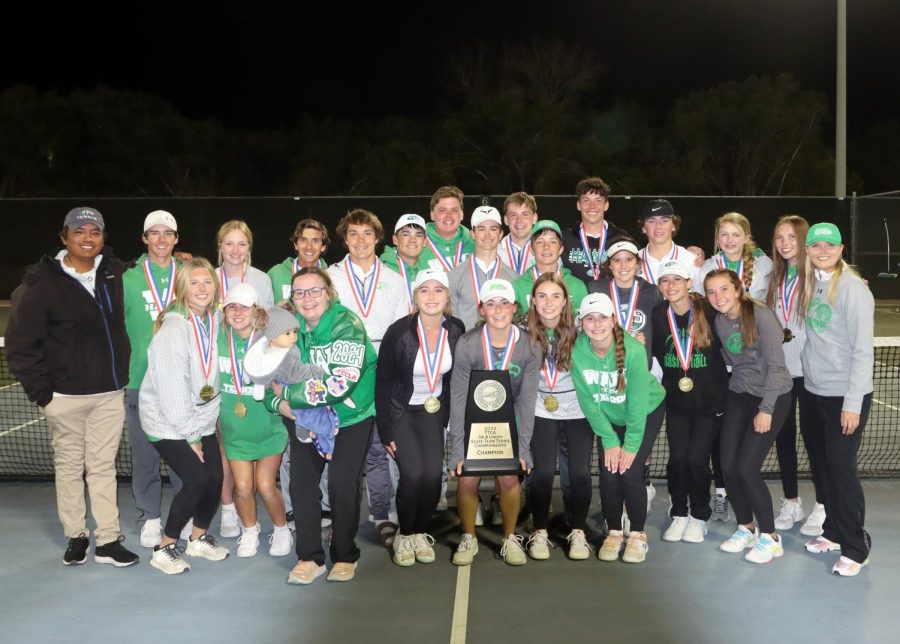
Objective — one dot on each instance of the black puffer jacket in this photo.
(60, 339)
(393, 375)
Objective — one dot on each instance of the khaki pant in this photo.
(86, 433)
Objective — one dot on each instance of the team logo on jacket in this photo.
(315, 392)
(818, 315)
(734, 343)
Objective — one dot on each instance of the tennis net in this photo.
(26, 452)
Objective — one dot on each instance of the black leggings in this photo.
(344, 475)
(579, 441)
(614, 488)
(845, 504)
(691, 436)
(743, 451)
(786, 443)
(419, 439)
(201, 483)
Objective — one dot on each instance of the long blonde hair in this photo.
(227, 227)
(780, 268)
(182, 284)
(839, 269)
(739, 220)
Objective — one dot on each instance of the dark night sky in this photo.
(259, 65)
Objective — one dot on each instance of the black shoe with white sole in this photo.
(77, 551)
(114, 553)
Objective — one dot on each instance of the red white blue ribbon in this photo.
(551, 373)
(432, 365)
(517, 261)
(364, 297)
(492, 272)
(223, 279)
(237, 366)
(787, 293)
(593, 267)
(721, 260)
(645, 263)
(627, 317)
(161, 300)
(683, 347)
(447, 265)
(202, 340)
(506, 357)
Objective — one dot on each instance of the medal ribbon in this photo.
(645, 263)
(683, 349)
(551, 373)
(517, 266)
(448, 266)
(506, 358)
(628, 317)
(364, 297)
(787, 292)
(404, 272)
(476, 281)
(160, 300)
(223, 279)
(720, 260)
(593, 268)
(202, 340)
(432, 366)
(237, 367)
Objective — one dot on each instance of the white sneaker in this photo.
(512, 552)
(231, 523)
(539, 545)
(846, 567)
(496, 512)
(151, 533)
(281, 541)
(205, 546)
(651, 494)
(466, 550)
(404, 554)
(168, 560)
(675, 531)
(820, 544)
(695, 531)
(791, 512)
(767, 547)
(740, 540)
(579, 549)
(248, 542)
(479, 514)
(721, 509)
(423, 546)
(636, 548)
(187, 530)
(814, 522)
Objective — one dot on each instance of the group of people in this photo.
(317, 375)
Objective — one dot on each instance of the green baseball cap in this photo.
(823, 232)
(546, 224)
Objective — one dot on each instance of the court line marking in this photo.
(15, 384)
(873, 400)
(22, 426)
(461, 606)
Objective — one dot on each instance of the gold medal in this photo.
(432, 405)
(551, 403)
(788, 335)
(685, 384)
(240, 409)
(207, 393)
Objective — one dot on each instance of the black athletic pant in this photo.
(544, 443)
(419, 439)
(786, 444)
(743, 451)
(718, 478)
(816, 460)
(614, 488)
(691, 436)
(344, 475)
(845, 504)
(201, 482)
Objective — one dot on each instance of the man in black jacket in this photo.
(67, 344)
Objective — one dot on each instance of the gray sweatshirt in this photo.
(255, 278)
(524, 372)
(762, 268)
(170, 404)
(758, 370)
(462, 294)
(794, 348)
(838, 357)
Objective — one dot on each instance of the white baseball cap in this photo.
(596, 303)
(484, 213)
(160, 217)
(493, 289)
(621, 245)
(409, 220)
(243, 294)
(673, 267)
(430, 274)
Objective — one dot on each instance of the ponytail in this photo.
(619, 338)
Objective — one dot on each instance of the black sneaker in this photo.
(115, 553)
(77, 551)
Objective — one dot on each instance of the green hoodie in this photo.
(140, 313)
(595, 381)
(525, 282)
(392, 261)
(447, 248)
(338, 344)
(281, 275)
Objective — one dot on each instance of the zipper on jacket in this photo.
(112, 351)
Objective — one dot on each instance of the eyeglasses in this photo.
(300, 293)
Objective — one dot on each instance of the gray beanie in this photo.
(280, 321)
